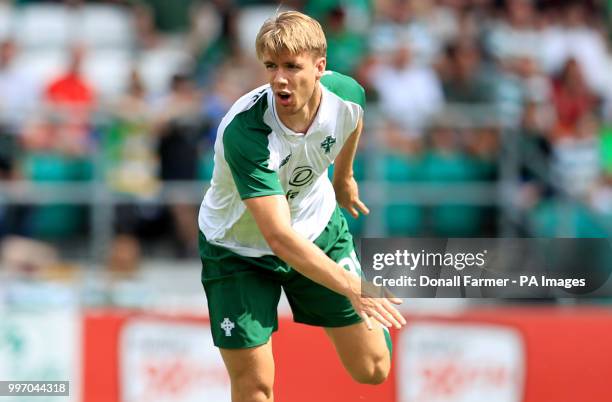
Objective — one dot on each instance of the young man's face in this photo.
(293, 79)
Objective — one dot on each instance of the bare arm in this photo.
(272, 216)
(345, 186)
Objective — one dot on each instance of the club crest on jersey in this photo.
(328, 143)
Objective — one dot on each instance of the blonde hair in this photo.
(293, 32)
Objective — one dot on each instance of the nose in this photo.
(279, 77)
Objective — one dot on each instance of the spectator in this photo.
(396, 22)
(345, 47)
(464, 78)
(417, 60)
(6, 173)
(69, 103)
(572, 99)
(586, 44)
(397, 140)
(576, 163)
(409, 94)
(170, 16)
(227, 85)
(147, 36)
(520, 82)
(357, 12)
(535, 150)
(18, 92)
(128, 145)
(601, 198)
(507, 37)
(131, 169)
(57, 145)
(72, 89)
(179, 128)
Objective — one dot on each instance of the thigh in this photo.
(315, 304)
(251, 371)
(250, 360)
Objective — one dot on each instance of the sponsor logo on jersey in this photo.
(301, 176)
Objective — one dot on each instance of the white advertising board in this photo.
(41, 346)
(170, 361)
(457, 362)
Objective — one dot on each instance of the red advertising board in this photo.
(533, 355)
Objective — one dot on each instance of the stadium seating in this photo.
(44, 26)
(555, 218)
(157, 67)
(109, 70)
(105, 26)
(402, 219)
(6, 19)
(55, 221)
(42, 64)
(249, 20)
(451, 220)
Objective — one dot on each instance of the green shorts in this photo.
(243, 292)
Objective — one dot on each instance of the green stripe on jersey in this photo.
(345, 87)
(245, 143)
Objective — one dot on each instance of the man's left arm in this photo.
(345, 186)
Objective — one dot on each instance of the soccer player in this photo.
(270, 219)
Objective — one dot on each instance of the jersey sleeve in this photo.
(351, 92)
(345, 87)
(247, 155)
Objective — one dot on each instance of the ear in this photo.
(320, 64)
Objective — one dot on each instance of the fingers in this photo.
(354, 207)
(386, 310)
(383, 312)
(362, 207)
(381, 317)
(380, 308)
(396, 317)
(367, 320)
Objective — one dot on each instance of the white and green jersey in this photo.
(257, 155)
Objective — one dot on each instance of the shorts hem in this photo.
(329, 324)
(248, 345)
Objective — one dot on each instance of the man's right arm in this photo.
(272, 216)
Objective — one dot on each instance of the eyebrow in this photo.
(286, 63)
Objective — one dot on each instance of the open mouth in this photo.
(284, 97)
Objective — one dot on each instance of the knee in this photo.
(373, 372)
(252, 389)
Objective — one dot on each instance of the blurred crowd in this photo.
(131, 92)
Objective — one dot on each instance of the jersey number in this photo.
(351, 263)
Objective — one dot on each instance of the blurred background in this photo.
(485, 118)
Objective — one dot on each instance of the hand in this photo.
(370, 301)
(347, 195)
